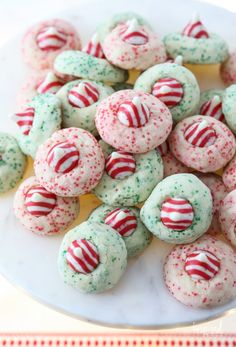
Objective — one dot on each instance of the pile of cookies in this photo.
(149, 151)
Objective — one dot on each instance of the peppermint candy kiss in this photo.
(94, 47)
(213, 108)
(195, 29)
(122, 220)
(133, 113)
(51, 39)
(82, 256)
(177, 214)
(177, 60)
(200, 134)
(24, 120)
(39, 202)
(202, 265)
(120, 165)
(169, 91)
(163, 149)
(83, 95)
(50, 84)
(132, 34)
(63, 157)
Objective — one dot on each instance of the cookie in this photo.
(133, 121)
(179, 209)
(69, 163)
(83, 65)
(131, 45)
(79, 101)
(229, 175)
(171, 165)
(126, 221)
(43, 212)
(211, 104)
(218, 191)
(45, 40)
(201, 274)
(228, 69)
(229, 106)
(92, 257)
(202, 143)
(37, 122)
(128, 179)
(227, 216)
(174, 85)
(12, 162)
(196, 44)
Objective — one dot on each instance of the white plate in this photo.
(140, 300)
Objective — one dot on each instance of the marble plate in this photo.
(140, 300)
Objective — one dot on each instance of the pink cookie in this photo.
(43, 212)
(172, 165)
(133, 46)
(69, 163)
(202, 274)
(45, 40)
(228, 69)
(229, 175)
(45, 81)
(227, 217)
(133, 121)
(202, 143)
(218, 192)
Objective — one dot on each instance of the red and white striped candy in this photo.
(200, 134)
(133, 113)
(63, 157)
(122, 220)
(94, 47)
(163, 149)
(51, 39)
(195, 29)
(24, 120)
(82, 256)
(202, 265)
(169, 91)
(83, 95)
(177, 214)
(177, 60)
(39, 202)
(213, 108)
(120, 165)
(132, 34)
(50, 84)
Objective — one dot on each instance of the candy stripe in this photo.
(94, 47)
(122, 220)
(134, 113)
(169, 91)
(83, 95)
(24, 120)
(132, 34)
(195, 29)
(120, 165)
(39, 202)
(51, 38)
(202, 265)
(82, 256)
(177, 214)
(50, 84)
(200, 134)
(213, 108)
(63, 157)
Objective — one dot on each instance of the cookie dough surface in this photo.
(227, 217)
(229, 107)
(112, 258)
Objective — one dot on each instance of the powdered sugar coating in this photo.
(201, 293)
(228, 69)
(40, 59)
(133, 140)
(82, 178)
(229, 107)
(203, 159)
(227, 217)
(63, 214)
(229, 175)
